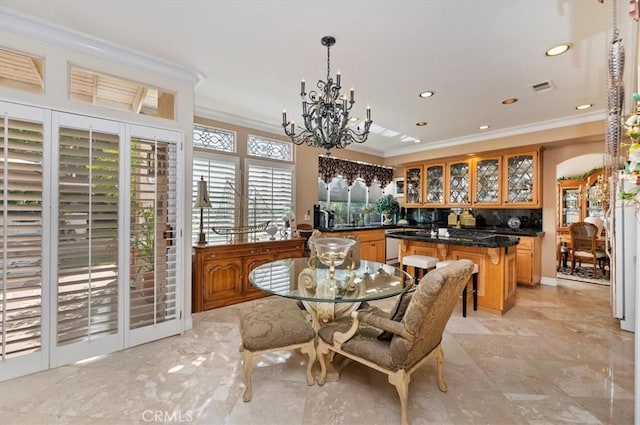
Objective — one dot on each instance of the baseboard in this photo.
(551, 281)
(187, 323)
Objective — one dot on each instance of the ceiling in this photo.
(472, 54)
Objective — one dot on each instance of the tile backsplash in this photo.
(486, 217)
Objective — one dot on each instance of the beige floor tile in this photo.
(556, 357)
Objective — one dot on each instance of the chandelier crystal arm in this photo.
(325, 113)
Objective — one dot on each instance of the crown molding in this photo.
(29, 26)
(226, 117)
(599, 115)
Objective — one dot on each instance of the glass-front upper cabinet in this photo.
(434, 185)
(413, 178)
(486, 182)
(520, 180)
(458, 179)
(570, 194)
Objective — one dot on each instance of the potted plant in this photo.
(143, 244)
(366, 213)
(387, 206)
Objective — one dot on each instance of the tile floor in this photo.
(557, 357)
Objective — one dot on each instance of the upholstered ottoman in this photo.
(273, 325)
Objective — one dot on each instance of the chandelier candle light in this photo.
(326, 114)
(202, 201)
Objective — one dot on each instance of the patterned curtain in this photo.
(328, 168)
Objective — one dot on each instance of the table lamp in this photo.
(202, 202)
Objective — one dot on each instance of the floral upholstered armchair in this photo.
(398, 344)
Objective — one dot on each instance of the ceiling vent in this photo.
(542, 86)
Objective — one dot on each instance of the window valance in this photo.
(328, 168)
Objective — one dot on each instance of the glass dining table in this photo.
(329, 294)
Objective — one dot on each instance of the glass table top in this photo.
(309, 280)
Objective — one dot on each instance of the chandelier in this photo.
(325, 113)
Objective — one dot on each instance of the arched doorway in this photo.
(576, 181)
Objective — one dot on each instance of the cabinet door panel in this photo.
(521, 180)
(221, 280)
(487, 182)
(434, 185)
(413, 185)
(459, 183)
(524, 266)
(251, 263)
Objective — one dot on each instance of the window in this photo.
(118, 93)
(270, 194)
(346, 201)
(22, 72)
(220, 174)
(214, 139)
(267, 148)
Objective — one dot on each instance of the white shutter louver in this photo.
(87, 299)
(220, 175)
(153, 220)
(270, 192)
(21, 244)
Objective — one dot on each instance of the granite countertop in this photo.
(459, 237)
(488, 230)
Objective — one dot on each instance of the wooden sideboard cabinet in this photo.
(220, 274)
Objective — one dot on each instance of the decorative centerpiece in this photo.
(332, 251)
(387, 206)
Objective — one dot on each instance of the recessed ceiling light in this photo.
(557, 50)
(426, 94)
(417, 141)
(354, 119)
(585, 106)
(421, 123)
(483, 127)
(509, 101)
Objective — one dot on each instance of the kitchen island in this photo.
(495, 256)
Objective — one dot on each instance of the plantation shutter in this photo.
(87, 285)
(220, 174)
(153, 266)
(21, 230)
(270, 192)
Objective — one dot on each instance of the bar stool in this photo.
(420, 263)
(474, 280)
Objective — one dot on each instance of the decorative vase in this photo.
(271, 230)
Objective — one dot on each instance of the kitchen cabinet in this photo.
(221, 272)
(494, 179)
(434, 185)
(486, 182)
(497, 268)
(459, 183)
(521, 180)
(372, 243)
(413, 185)
(529, 260)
